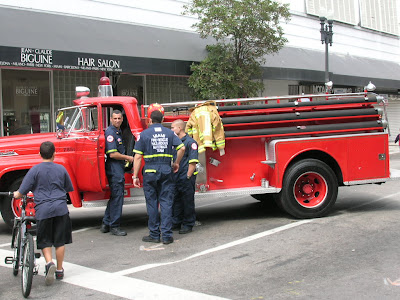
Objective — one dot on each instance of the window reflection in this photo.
(26, 102)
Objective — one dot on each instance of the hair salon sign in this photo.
(47, 58)
(30, 57)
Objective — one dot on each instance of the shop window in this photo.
(293, 89)
(166, 89)
(66, 81)
(130, 86)
(26, 102)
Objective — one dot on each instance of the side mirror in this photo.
(82, 91)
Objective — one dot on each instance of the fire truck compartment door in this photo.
(367, 157)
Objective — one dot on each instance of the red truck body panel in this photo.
(358, 157)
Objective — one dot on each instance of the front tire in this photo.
(309, 189)
(27, 266)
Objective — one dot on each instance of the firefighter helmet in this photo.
(153, 107)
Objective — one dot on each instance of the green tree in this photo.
(245, 31)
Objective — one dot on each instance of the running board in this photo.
(238, 192)
(139, 197)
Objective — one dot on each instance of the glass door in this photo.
(131, 86)
(26, 102)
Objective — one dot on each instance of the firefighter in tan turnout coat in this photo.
(206, 128)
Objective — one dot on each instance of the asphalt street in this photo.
(242, 249)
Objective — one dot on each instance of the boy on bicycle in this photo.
(50, 184)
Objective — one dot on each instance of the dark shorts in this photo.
(56, 231)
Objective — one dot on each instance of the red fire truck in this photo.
(295, 150)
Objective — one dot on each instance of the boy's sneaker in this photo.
(50, 270)
(60, 274)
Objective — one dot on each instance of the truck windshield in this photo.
(77, 119)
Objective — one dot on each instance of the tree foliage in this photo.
(219, 76)
(245, 31)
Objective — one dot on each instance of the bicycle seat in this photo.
(29, 219)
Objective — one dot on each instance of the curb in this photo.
(394, 155)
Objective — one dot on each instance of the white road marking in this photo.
(82, 229)
(114, 284)
(222, 247)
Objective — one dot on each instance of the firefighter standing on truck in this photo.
(115, 171)
(184, 216)
(157, 145)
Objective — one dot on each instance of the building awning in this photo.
(292, 63)
(146, 49)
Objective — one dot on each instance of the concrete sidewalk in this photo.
(394, 150)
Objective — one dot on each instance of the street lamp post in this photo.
(326, 37)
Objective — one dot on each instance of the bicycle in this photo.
(22, 241)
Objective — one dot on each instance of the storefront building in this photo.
(147, 48)
(36, 82)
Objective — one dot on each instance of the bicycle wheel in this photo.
(16, 244)
(28, 261)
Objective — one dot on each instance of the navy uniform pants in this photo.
(184, 207)
(112, 216)
(158, 189)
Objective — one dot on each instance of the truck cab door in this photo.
(127, 137)
(89, 145)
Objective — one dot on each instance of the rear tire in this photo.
(16, 244)
(309, 189)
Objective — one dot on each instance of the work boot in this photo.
(185, 230)
(117, 231)
(176, 227)
(149, 239)
(104, 228)
(168, 241)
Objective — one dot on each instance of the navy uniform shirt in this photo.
(157, 144)
(190, 156)
(114, 167)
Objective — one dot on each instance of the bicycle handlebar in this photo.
(6, 194)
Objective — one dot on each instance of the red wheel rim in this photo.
(310, 190)
(16, 205)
